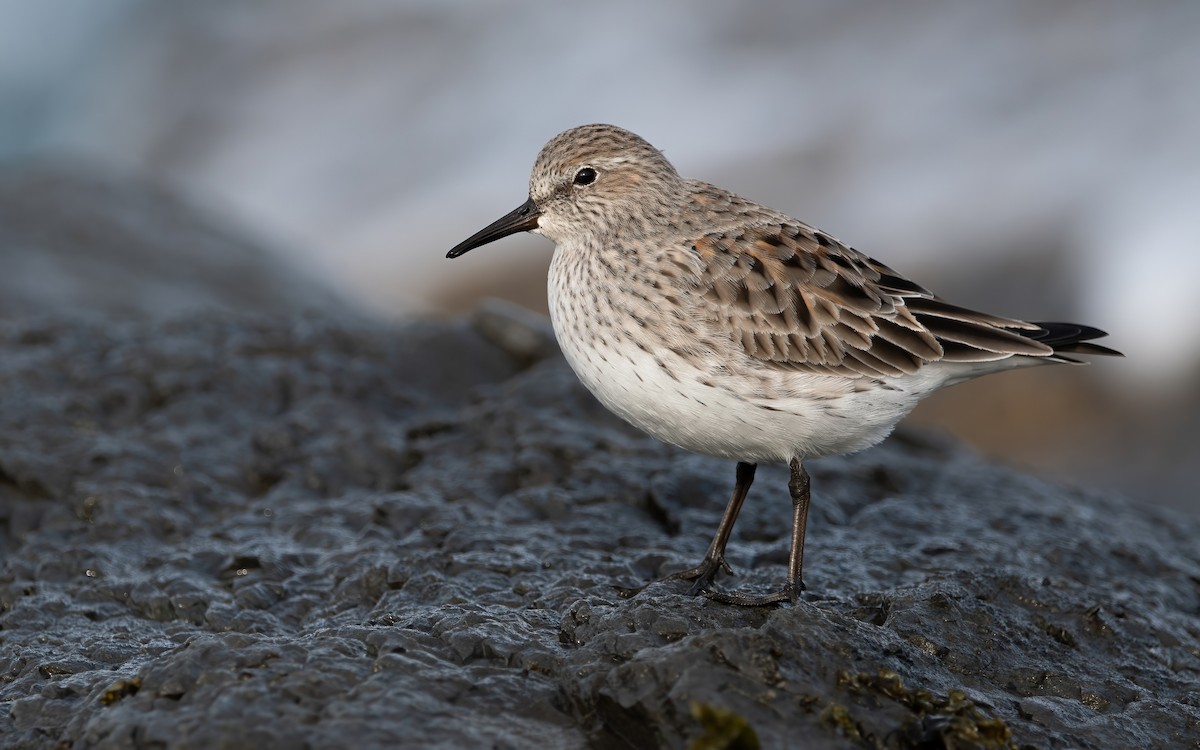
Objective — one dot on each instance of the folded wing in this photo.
(795, 298)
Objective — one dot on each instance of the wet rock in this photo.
(223, 531)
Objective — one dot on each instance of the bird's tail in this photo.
(1070, 338)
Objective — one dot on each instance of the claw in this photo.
(743, 600)
(787, 595)
(703, 574)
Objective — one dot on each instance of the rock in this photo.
(74, 239)
(230, 532)
(524, 334)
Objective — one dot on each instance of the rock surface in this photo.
(227, 532)
(73, 239)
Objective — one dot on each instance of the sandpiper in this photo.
(733, 330)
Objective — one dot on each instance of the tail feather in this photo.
(1070, 338)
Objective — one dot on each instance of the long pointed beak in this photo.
(523, 219)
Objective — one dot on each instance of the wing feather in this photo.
(796, 298)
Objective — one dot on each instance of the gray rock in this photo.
(223, 532)
(78, 240)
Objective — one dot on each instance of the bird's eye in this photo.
(585, 176)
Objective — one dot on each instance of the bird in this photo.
(734, 330)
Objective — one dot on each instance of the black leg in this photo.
(714, 559)
(798, 484)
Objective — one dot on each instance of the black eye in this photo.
(585, 176)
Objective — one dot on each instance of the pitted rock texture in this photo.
(224, 532)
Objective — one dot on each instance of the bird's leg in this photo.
(714, 559)
(798, 485)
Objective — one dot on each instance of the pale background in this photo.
(1036, 159)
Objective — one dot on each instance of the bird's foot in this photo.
(786, 595)
(702, 575)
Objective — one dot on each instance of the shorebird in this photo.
(734, 330)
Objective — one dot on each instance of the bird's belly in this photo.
(674, 400)
(706, 403)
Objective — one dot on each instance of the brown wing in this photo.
(797, 298)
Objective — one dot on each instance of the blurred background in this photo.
(1034, 159)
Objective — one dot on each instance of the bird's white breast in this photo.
(686, 400)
